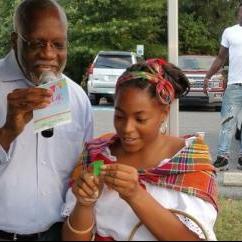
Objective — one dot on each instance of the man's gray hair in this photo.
(26, 8)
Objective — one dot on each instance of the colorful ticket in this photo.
(58, 112)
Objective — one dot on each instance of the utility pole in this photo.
(173, 49)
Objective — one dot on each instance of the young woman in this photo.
(147, 174)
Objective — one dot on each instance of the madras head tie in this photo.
(164, 89)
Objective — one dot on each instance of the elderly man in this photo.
(34, 170)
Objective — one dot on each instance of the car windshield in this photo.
(195, 62)
(113, 61)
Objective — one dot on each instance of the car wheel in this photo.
(95, 99)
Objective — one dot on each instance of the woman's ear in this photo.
(165, 110)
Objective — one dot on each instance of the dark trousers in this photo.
(52, 234)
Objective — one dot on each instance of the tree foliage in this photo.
(202, 24)
(96, 25)
(111, 25)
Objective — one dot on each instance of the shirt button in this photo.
(44, 163)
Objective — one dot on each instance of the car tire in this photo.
(95, 100)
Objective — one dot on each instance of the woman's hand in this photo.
(123, 179)
(87, 189)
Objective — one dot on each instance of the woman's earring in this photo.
(164, 127)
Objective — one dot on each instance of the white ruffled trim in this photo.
(192, 226)
(69, 205)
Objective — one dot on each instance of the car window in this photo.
(113, 61)
(195, 62)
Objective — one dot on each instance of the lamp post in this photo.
(173, 122)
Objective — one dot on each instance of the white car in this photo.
(103, 74)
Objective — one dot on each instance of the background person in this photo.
(231, 45)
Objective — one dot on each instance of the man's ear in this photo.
(14, 37)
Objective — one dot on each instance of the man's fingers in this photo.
(28, 103)
(33, 90)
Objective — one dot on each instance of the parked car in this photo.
(104, 72)
(195, 67)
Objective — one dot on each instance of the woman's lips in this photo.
(129, 141)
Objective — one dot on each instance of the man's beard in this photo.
(37, 79)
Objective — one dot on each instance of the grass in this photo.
(229, 223)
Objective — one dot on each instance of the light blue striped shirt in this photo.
(34, 173)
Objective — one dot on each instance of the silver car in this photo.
(104, 73)
(195, 67)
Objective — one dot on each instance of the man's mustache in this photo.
(45, 63)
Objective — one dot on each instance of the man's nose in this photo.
(48, 52)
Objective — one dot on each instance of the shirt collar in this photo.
(11, 70)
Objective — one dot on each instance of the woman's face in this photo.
(138, 118)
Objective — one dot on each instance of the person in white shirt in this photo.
(34, 169)
(231, 46)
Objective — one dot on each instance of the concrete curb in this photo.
(232, 179)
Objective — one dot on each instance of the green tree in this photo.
(96, 25)
(111, 25)
(202, 24)
(6, 19)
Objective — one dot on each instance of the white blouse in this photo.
(116, 219)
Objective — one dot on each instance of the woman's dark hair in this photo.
(171, 73)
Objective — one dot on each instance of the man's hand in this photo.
(21, 103)
(123, 179)
(205, 86)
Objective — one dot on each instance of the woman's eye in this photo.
(118, 117)
(140, 120)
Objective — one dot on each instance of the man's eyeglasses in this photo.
(39, 44)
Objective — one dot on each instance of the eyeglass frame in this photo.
(42, 44)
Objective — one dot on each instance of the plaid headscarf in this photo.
(164, 89)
